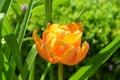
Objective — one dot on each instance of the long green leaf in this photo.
(29, 62)
(4, 6)
(6, 27)
(24, 23)
(1, 55)
(51, 73)
(10, 74)
(32, 70)
(96, 61)
(16, 8)
(14, 48)
(45, 71)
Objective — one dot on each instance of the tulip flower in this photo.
(61, 43)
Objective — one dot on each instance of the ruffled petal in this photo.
(38, 43)
(59, 48)
(53, 28)
(69, 57)
(79, 55)
(44, 36)
(82, 52)
(72, 27)
(60, 33)
(73, 39)
(48, 54)
(34, 34)
(80, 25)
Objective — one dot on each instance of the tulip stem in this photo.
(48, 11)
(60, 71)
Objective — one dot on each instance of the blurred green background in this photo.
(101, 20)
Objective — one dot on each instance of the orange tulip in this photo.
(61, 44)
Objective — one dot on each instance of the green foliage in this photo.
(96, 61)
(18, 55)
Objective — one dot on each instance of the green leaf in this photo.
(1, 54)
(31, 75)
(14, 48)
(51, 73)
(4, 6)
(6, 27)
(29, 62)
(96, 61)
(1, 64)
(10, 74)
(16, 8)
(24, 23)
(45, 71)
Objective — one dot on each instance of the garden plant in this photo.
(59, 39)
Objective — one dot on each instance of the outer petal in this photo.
(34, 34)
(78, 55)
(80, 25)
(44, 36)
(72, 27)
(48, 54)
(38, 42)
(81, 53)
(69, 56)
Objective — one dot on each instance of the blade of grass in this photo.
(24, 23)
(10, 74)
(45, 72)
(19, 16)
(14, 48)
(16, 8)
(1, 55)
(18, 13)
(7, 28)
(29, 62)
(4, 6)
(31, 75)
(82, 11)
(96, 61)
(51, 73)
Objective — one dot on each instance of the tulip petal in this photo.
(64, 27)
(59, 48)
(69, 57)
(73, 39)
(38, 42)
(79, 24)
(44, 36)
(60, 33)
(81, 53)
(50, 38)
(34, 34)
(53, 28)
(48, 54)
(72, 27)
